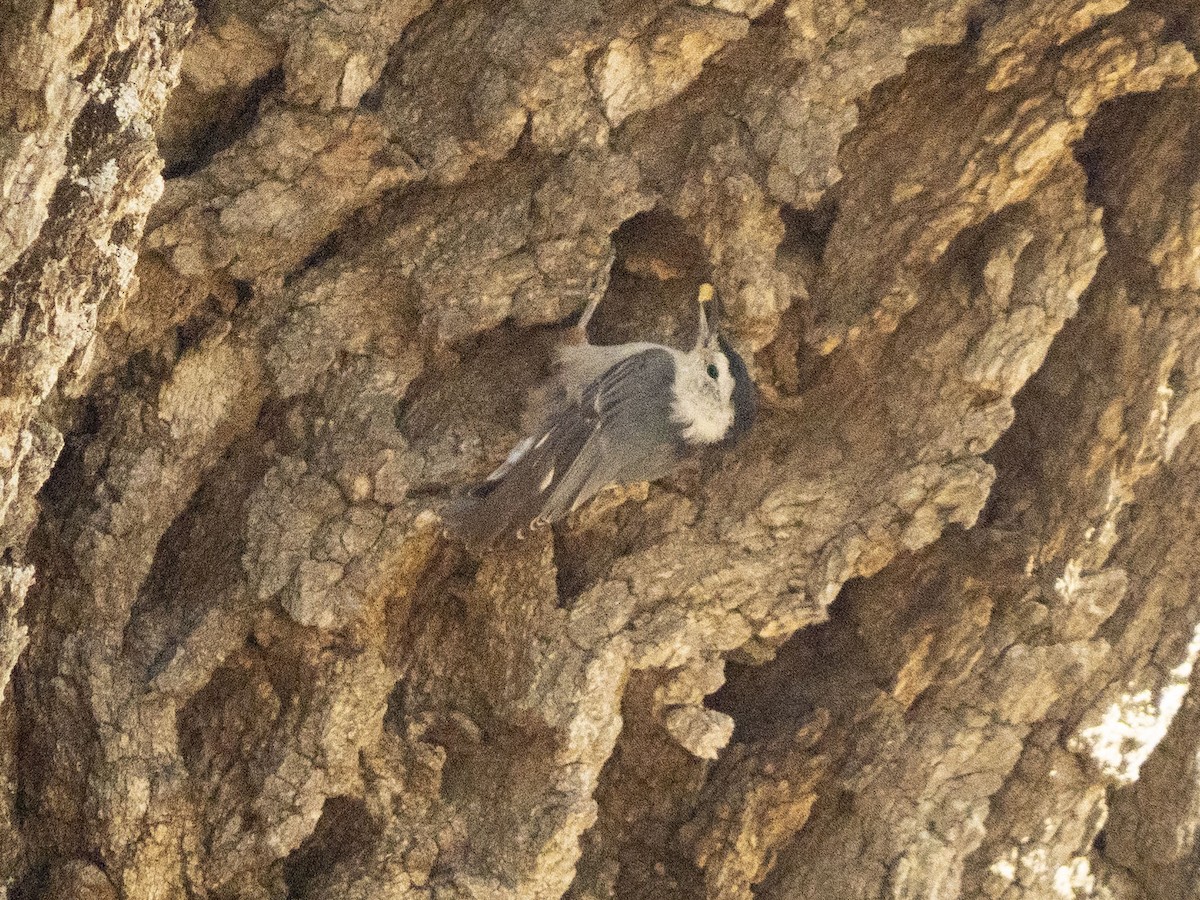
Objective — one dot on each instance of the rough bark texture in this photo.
(274, 279)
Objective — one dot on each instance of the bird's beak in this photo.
(703, 298)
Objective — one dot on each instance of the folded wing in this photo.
(619, 431)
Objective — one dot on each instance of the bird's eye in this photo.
(712, 372)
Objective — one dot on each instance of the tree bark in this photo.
(275, 278)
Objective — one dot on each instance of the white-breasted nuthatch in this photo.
(613, 415)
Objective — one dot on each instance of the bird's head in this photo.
(725, 368)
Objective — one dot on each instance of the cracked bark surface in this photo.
(274, 281)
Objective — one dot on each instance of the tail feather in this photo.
(521, 492)
(475, 522)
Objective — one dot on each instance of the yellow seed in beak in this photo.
(706, 293)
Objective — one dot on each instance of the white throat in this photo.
(702, 405)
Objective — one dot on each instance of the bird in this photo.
(613, 414)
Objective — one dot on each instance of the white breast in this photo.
(702, 405)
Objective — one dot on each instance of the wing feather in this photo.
(620, 430)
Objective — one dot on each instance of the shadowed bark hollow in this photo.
(275, 278)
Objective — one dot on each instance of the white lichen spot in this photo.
(99, 89)
(1032, 865)
(126, 259)
(1133, 726)
(1005, 869)
(1074, 879)
(127, 105)
(102, 183)
(1067, 583)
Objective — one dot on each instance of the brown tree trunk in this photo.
(274, 279)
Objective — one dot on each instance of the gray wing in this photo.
(619, 431)
(576, 367)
